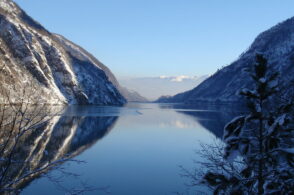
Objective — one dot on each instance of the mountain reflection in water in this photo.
(140, 155)
(59, 137)
(211, 116)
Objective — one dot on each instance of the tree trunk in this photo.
(260, 160)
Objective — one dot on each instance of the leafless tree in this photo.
(25, 126)
(212, 161)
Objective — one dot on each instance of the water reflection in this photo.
(142, 153)
(61, 136)
(211, 116)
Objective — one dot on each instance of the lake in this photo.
(135, 150)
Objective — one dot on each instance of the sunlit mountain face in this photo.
(60, 70)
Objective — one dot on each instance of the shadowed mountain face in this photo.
(60, 137)
(277, 45)
(61, 71)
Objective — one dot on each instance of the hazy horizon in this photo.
(154, 87)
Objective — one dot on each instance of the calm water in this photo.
(136, 149)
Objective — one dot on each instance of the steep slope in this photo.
(60, 71)
(80, 55)
(277, 44)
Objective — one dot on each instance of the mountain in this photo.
(131, 95)
(58, 70)
(154, 87)
(82, 55)
(276, 44)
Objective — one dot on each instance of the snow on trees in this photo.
(263, 138)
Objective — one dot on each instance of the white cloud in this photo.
(177, 78)
(181, 78)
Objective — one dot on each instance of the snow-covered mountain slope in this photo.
(277, 45)
(61, 71)
(79, 54)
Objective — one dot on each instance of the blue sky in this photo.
(160, 37)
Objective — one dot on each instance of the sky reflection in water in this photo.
(135, 149)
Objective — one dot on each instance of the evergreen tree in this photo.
(263, 138)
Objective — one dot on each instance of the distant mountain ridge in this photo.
(154, 87)
(58, 69)
(276, 44)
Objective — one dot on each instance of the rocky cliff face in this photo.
(277, 44)
(61, 72)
